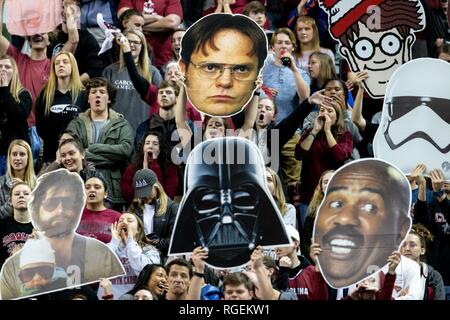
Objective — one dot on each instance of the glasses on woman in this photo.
(240, 72)
(136, 43)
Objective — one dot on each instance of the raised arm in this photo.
(4, 43)
(73, 16)
(250, 112)
(141, 84)
(265, 286)
(417, 175)
(357, 117)
(184, 131)
(308, 141)
(301, 86)
(301, 7)
(198, 260)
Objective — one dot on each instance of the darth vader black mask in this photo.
(226, 206)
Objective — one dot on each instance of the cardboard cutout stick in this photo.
(362, 219)
(375, 36)
(29, 17)
(226, 206)
(57, 258)
(221, 57)
(415, 121)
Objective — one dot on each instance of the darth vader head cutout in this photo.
(226, 207)
(415, 122)
(375, 36)
(362, 219)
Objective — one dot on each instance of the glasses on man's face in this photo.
(390, 44)
(52, 203)
(133, 42)
(240, 72)
(45, 272)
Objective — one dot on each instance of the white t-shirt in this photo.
(149, 213)
(408, 276)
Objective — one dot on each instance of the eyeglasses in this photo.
(390, 44)
(136, 43)
(51, 204)
(240, 72)
(45, 272)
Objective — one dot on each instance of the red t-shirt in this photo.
(33, 74)
(97, 224)
(161, 42)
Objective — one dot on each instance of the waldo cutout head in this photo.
(221, 57)
(227, 207)
(375, 36)
(415, 121)
(362, 219)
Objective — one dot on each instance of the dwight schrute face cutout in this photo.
(362, 219)
(227, 206)
(375, 36)
(221, 57)
(415, 121)
(57, 258)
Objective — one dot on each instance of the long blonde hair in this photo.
(278, 194)
(317, 197)
(315, 39)
(143, 61)
(15, 86)
(76, 86)
(161, 197)
(29, 177)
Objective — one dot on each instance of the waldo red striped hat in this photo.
(344, 13)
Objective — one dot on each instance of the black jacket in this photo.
(13, 118)
(162, 225)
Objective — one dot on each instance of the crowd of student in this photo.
(123, 116)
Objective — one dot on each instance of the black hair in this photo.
(126, 15)
(101, 82)
(99, 176)
(144, 277)
(180, 262)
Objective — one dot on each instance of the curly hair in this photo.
(422, 233)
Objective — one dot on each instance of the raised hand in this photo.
(115, 232)
(394, 260)
(319, 98)
(318, 125)
(437, 179)
(314, 251)
(285, 262)
(122, 41)
(417, 174)
(4, 79)
(327, 124)
(199, 255)
(256, 258)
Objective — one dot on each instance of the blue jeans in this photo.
(2, 165)
(303, 213)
